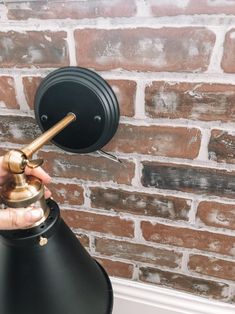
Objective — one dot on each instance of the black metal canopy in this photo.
(89, 96)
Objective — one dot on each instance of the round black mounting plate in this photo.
(89, 96)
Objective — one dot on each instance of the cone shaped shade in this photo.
(57, 278)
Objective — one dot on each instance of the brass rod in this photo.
(30, 149)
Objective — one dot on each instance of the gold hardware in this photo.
(34, 163)
(30, 149)
(14, 161)
(21, 190)
(43, 241)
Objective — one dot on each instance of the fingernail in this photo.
(34, 214)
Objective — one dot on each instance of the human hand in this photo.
(19, 218)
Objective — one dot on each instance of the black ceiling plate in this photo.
(89, 96)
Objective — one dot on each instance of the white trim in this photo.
(139, 298)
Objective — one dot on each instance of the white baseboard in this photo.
(138, 298)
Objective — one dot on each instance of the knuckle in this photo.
(14, 219)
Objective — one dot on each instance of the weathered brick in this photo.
(233, 298)
(88, 167)
(145, 49)
(30, 85)
(216, 215)
(155, 205)
(188, 178)
(101, 223)
(162, 141)
(2, 11)
(71, 9)
(202, 287)
(138, 252)
(71, 194)
(33, 48)
(228, 60)
(195, 101)
(221, 146)
(18, 129)
(7, 93)
(84, 239)
(212, 266)
(179, 7)
(125, 90)
(116, 268)
(189, 238)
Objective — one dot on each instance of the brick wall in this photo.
(166, 215)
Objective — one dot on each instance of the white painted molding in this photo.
(139, 298)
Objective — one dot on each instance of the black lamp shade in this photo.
(58, 278)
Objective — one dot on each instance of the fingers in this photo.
(47, 193)
(37, 172)
(40, 173)
(12, 218)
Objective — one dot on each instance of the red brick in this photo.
(18, 129)
(30, 84)
(211, 266)
(71, 9)
(221, 146)
(116, 269)
(101, 223)
(195, 101)
(159, 8)
(199, 180)
(164, 141)
(188, 238)
(136, 203)
(138, 252)
(69, 194)
(125, 91)
(145, 49)
(7, 93)
(228, 60)
(216, 215)
(84, 239)
(33, 48)
(87, 167)
(201, 287)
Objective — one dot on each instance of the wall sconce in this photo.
(44, 269)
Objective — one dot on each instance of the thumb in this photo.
(12, 218)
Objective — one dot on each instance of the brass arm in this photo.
(21, 190)
(16, 160)
(30, 149)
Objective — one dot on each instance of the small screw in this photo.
(42, 241)
(97, 118)
(44, 117)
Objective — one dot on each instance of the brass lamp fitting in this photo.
(22, 190)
